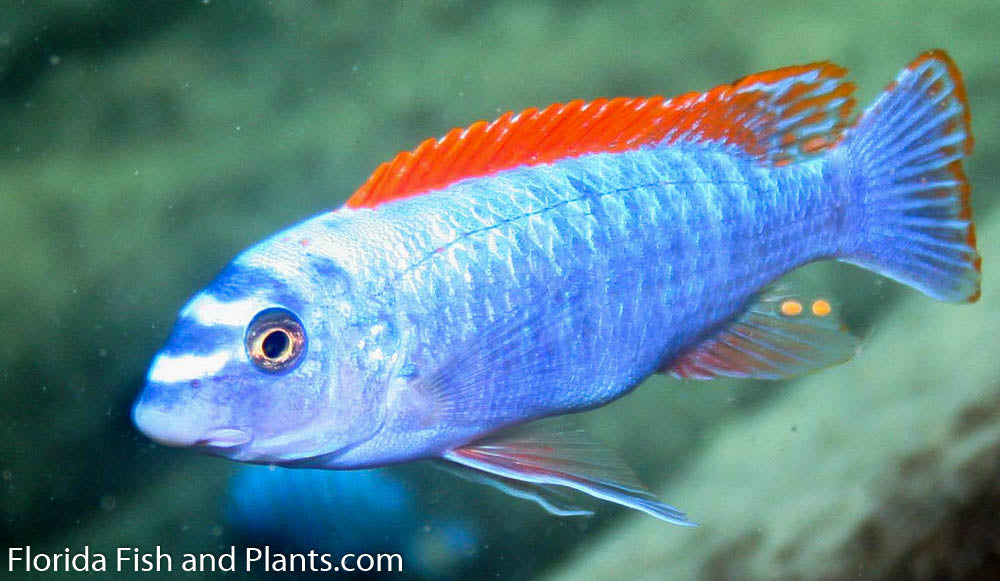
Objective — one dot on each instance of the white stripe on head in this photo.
(282, 262)
(174, 369)
(338, 236)
(208, 311)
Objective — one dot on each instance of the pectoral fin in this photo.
(570, 458)
(494, 375)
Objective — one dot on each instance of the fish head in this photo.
(260, 368)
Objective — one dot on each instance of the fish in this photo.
(549, 261)
(336, 512)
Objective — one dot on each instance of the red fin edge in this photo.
(785, 333)
(911, 142)
(955, 167)
(572, 459)
(780, 115)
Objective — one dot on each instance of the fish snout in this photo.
(184, 429)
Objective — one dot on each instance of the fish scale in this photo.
(712, 249)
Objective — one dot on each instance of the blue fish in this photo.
(340, 512)
(549, 261)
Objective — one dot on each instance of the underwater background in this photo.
(145, 143)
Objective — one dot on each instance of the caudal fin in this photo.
(905, 162)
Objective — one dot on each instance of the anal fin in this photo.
(784, 333)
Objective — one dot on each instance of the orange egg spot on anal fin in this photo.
(821, 307)
(791, 308)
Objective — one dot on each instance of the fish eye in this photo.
(275, 340)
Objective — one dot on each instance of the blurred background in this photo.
(143, 144)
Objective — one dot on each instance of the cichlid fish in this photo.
(340, 511)
(549, 261)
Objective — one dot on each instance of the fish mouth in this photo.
(225, 438)
(184, 430)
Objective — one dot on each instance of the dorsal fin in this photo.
(778, 116)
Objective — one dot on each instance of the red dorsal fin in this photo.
(778, 116)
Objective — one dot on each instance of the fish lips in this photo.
(225, 438)
(179, 430)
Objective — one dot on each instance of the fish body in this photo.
(548, 262)
(696, 233)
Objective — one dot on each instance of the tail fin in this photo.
(904, 159)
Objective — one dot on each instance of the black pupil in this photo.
(275, 344)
